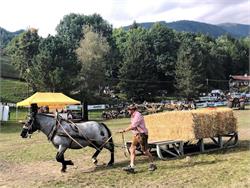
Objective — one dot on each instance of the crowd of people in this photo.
(46, 110)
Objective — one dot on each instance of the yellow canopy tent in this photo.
(53, 100)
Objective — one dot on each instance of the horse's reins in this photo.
(125, 145)
(89, 141)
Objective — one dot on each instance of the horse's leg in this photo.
(112, 157)
(94, 160)
(60, 158)
(110, 146)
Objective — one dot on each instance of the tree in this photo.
(92, 54)
(212, 65)
(188, 70)
(23, 50)
(165, 51)
(138, 71)
(134, 25)
(56, 66)
(234, 55)
(71, 27)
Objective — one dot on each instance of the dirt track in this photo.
(36, 174)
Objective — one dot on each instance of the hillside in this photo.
(7, 70)
(6, 36)
(235, 30)
(197, 27)
(13, 90)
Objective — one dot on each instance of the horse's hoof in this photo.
(70, 163)
(63, 170)
(109, 164)
(95, 161)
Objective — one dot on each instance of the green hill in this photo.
(235, 30)
(197, 27)
(7, 70)
(6, 36)
(13, 90)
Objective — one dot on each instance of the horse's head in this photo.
(29, 127)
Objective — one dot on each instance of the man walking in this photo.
(140, 136)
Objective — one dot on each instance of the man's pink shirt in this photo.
(138, 123)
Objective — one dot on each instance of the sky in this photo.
(45, 15)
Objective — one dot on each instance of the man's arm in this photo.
(127, 129)
(134, 124)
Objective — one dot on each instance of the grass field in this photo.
(13, 90)
(31, 163)
(7, 69)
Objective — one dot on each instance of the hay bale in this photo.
(190, 125)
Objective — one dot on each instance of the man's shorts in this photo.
(142, 139)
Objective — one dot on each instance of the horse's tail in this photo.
(110, 144)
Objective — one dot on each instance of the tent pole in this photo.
(16, 113)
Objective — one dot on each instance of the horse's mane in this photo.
(53, 117)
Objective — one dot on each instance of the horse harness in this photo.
(54, 132)
(58, 124)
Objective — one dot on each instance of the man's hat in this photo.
(132, 107)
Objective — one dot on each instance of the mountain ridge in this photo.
(6, 36)
(234, 29)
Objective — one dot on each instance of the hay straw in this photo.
(189, 125)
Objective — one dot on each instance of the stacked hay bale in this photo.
(190, 125)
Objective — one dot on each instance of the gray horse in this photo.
(64, 135)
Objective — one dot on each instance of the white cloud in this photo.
(46, 14)
(236, 13)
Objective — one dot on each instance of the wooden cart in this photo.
(169, 138)
(170, 149)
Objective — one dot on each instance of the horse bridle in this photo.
(28, 127)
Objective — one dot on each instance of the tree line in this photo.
(87, 57)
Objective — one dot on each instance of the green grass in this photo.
(35, 158)
(7, 69)
(13, 90)
(243, 117)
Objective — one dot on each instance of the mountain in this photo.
(233, 29)
(236, 29)
(6, 36)
(197, 27)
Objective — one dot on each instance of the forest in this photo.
(91, 61)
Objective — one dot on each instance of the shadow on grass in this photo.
(243, 145)
(119, 165)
